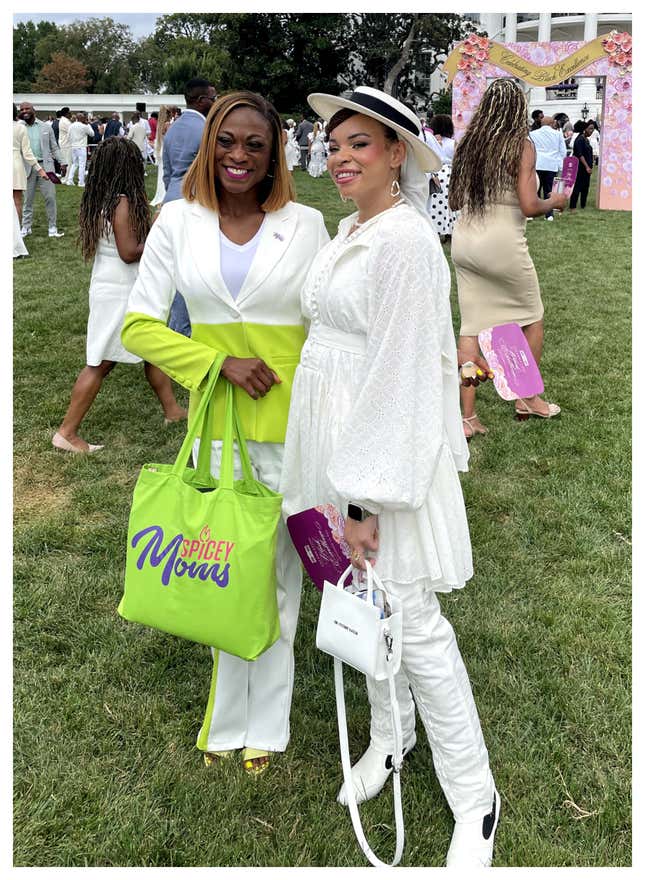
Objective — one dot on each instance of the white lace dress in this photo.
(292, 150)
(110, 285)
(374, 414)
(318, 157)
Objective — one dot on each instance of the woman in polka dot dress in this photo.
(441, 217)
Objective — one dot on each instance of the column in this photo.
(510, 35)
(492, 23)
(538, 93)
(544, 28)
(587, 84)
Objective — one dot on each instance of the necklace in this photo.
(395, 205)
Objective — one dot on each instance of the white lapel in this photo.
(277, 231)
(204, 244)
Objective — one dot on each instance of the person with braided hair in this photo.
(114, 222)
(494, 186)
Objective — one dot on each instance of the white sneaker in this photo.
(69, 183)
(548, 218)
(54, 233)
(24, 232)
(472, 842)
(370, 773)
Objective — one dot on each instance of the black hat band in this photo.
(384, 109)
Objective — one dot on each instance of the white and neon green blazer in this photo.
(182, 253)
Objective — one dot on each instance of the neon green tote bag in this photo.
(200, 559)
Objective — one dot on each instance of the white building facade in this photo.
(579, 97)
(98, 105)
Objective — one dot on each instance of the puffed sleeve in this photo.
(144, 331)
(386, 454)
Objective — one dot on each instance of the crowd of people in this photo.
(346, 370)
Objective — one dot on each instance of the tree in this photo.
(287, 55)
(396, 52)
(283, 56)
(62, 74)
(26, 35)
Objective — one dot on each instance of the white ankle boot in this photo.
(472, 842)
(371, 772)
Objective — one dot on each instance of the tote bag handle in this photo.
(232, 430)
(199, 424)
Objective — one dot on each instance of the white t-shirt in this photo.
(550, 148)
(236, 259)
(79, 133)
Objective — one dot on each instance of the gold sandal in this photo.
(255, 761)
(212, 758)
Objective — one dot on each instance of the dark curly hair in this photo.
(115, 170)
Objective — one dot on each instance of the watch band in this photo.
(356, 512)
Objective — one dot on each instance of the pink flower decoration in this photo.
(627, 43)
(626, 85)
(621, 58)
(482, 55)
(463, 65)
(610, 46)
(624, 194)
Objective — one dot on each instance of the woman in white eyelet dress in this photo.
(375, 420)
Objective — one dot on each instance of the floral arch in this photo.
(477, 59)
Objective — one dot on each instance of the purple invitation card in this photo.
(509, 356)
(317, 535)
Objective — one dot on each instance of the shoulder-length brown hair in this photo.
(200, 180)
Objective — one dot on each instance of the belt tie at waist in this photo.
(330, 337)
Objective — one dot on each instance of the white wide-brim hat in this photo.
(389, 111)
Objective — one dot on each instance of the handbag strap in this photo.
(397, 761)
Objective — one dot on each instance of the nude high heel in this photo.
(523, 414)
(59, 442)
(473, 430)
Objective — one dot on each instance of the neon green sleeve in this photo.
(183, 359)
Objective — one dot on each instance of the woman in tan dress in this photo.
(494, 186)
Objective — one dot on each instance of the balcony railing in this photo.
(562, 90)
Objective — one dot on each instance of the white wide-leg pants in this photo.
(79, 160)
(250, 701)
(432, 667)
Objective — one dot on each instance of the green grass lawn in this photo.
(107, 712)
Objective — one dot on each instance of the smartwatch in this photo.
(356, 512)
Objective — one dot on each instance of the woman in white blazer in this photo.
(238, 248)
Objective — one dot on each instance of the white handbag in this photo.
(367, 636)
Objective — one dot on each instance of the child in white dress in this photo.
(114, 222)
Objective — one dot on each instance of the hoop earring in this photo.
(395, 189)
